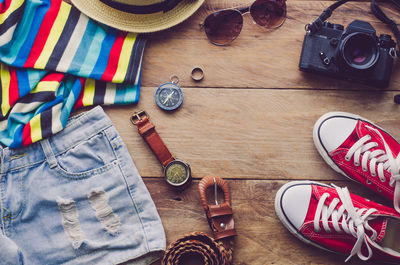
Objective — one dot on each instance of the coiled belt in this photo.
(199, 246)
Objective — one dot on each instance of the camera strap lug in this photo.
(307, 27)
(317, 24)
(378, 12)
(393, 53)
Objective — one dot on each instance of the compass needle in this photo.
(169, 96)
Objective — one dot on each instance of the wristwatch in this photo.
(176, 172)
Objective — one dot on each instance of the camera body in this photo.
(355, 53)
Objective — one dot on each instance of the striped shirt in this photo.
(54, 59)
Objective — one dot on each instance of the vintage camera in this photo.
(355, 53)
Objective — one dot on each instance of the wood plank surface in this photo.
(258, 57)
(257, 139)
(261, 239)
(250, 121)
(249, 133)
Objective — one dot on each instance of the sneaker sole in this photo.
(286, 223)
(282, 217)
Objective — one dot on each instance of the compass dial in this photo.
(169, 96)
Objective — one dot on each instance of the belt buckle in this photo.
(138, 115)
(216, 182)
(219, 215)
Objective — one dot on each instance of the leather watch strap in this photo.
(147, 130)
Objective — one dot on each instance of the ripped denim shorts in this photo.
(77, 198)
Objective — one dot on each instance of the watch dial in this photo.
(169, 96)
(176, 173)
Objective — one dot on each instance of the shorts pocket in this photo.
(89, 157)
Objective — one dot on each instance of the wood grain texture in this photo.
(258, 57)
(249, 121)
(261, 239)
(257, 139)
(249, 133)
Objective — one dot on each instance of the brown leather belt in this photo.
(201, 247)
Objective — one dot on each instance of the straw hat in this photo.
(140, 16)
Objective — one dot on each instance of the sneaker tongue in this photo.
(379, 224)
(359, 131)
(353, 137)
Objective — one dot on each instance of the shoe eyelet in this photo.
(382, 179)
(317, 230)
(356, 164)
(373, 174)
(378, 190)
(347, 158)
(364, 169)
(368, 182)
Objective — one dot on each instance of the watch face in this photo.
(177, 172)
(169, 96)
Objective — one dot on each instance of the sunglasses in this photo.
(222, 27)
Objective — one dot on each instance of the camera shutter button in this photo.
(338, 26)
(386, 37)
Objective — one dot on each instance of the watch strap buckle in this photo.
(138, 116)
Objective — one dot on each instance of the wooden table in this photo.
(250, 122)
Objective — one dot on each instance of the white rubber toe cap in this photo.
(295, 201)
(334, 129)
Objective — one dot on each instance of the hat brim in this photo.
(137, 23)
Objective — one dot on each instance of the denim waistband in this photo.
(78, 128)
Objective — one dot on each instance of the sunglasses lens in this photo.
(268, 13)
(224, 26)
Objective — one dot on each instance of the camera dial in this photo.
(359, 50)
(338, 26)
(385, 41)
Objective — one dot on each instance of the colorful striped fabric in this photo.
(55, 59)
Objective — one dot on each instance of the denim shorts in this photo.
(77, 198)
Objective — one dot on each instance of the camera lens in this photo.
(359, 50)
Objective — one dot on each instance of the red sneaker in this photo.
(361, 151)
(331, 218)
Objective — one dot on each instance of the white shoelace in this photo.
(354, 221)
(380, 160)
